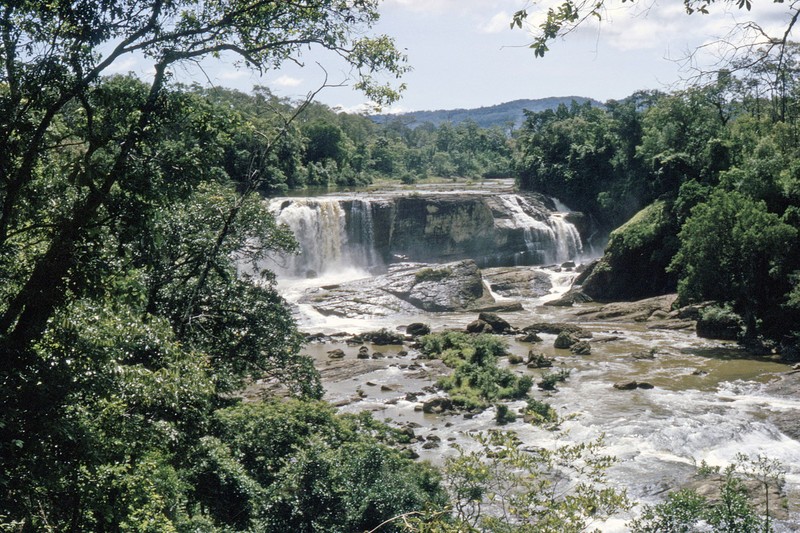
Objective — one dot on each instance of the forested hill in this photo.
(485, 117)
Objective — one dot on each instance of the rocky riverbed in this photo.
(665, 399)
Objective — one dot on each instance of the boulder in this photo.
(498, 324)
(479, 326)
(565, 339)
(529, 337)
(538, 360)
(437, 405)
(363, 353)
(518, 282)
(338, 353)
(554, 328)
(382, 337)
(570, 298)
(632, 385)
(581, 348)
(418, 329)
(407, 288)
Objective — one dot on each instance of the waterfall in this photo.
(319, 227)
(568, 240)
(361, 234)
(329, 242)
(341, 234)
(549, 238)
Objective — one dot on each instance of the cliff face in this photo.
(441, 228)
(492, 230)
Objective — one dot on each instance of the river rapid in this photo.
(710, 400)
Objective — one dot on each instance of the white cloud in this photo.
(629, 27)
(498, 23)
(455, 7)
(287, 81)
(123, 66)
(233, 74)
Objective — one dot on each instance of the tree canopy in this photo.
(134, 301)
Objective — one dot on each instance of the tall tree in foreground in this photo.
(125, 315)
(53, 59)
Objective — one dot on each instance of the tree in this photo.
(734, 250)
(52, 63)
(134, 299)
(683, 138)
(569, 153)
(501, 486)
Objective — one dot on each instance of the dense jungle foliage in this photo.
(128, 207)
(719, 165)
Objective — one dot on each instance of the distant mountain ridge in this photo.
(486, 117)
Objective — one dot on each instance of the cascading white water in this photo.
(336, 234)
(568, 240)
(361, 234)
(320, 229)
(553, 240)
(329, 243)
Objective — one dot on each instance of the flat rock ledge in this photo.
(409, 288)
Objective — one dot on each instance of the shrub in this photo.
(476, 380)
(503, 415)
(550, 379)
(540, 412)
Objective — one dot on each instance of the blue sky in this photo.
(464, 54)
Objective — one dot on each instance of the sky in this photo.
(464, 55)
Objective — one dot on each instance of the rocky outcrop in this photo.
(570, 298)
(418, 329)
(518, 282)
(479, 326)
(538, 360)
(499, 325)
(634, 264)
(581, 348)
(632, 385)
(406, 289)
(555, 328)
(565, 340)
(437, 405)
(659, 307)
(381, 337)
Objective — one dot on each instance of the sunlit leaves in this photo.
(503, 486)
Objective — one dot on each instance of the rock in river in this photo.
(418, 329)
(565, 339)
(581, 348)
(406, 289)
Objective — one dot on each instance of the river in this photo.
(709, 401)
